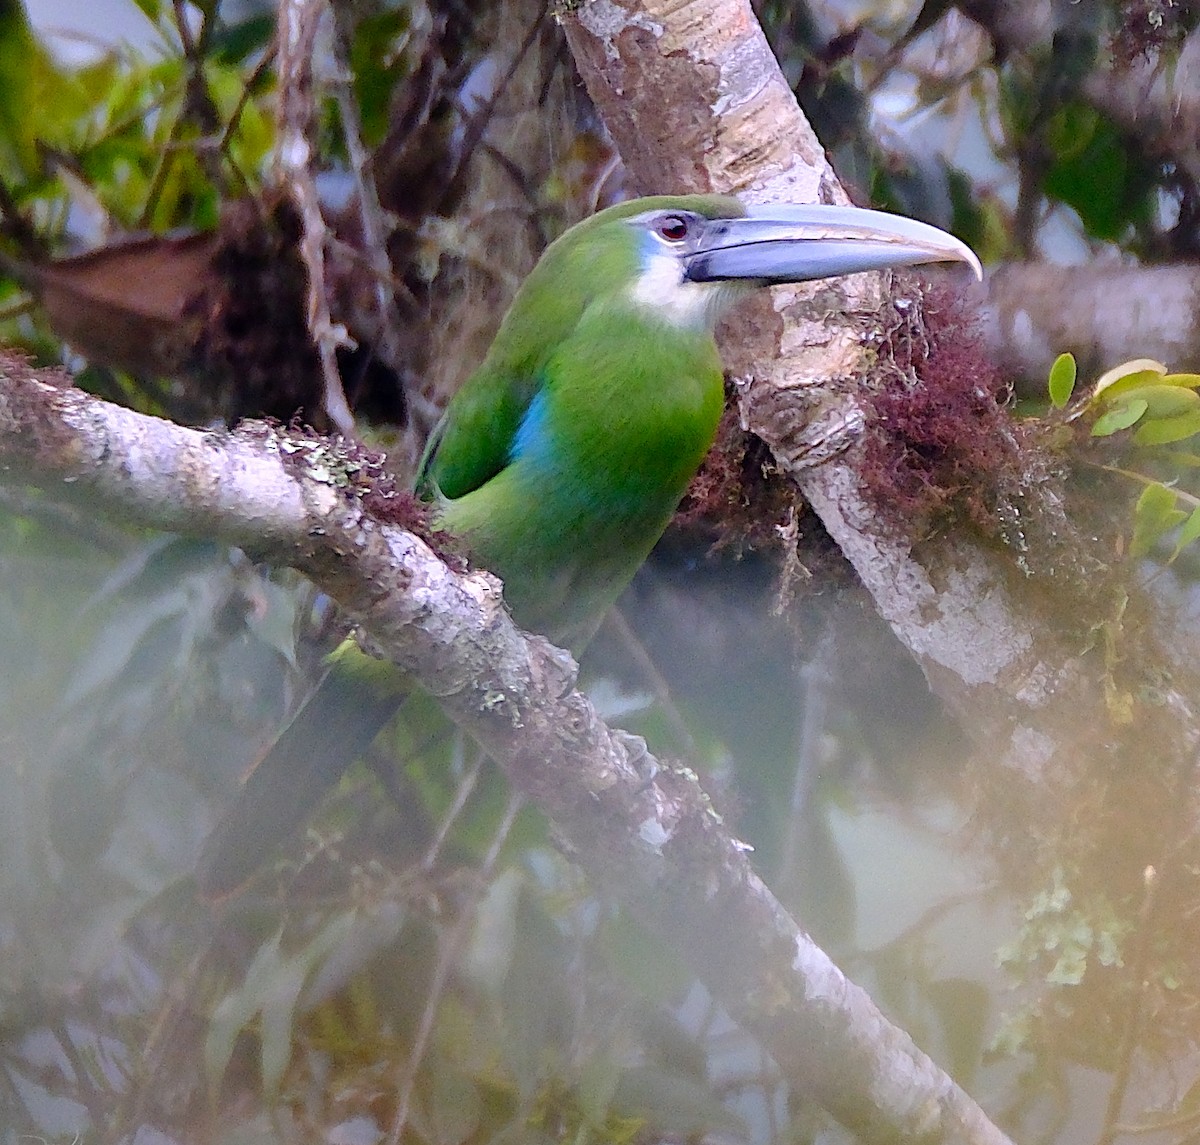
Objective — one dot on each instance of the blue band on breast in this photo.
(532, 438)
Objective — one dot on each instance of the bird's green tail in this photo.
(335, 725)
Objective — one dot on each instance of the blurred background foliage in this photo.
(424, 964)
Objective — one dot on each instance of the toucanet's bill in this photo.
(561, 460)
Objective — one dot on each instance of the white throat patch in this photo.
(661, 290)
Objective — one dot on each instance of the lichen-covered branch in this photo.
(645, 833)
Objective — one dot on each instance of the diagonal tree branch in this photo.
(644, 833)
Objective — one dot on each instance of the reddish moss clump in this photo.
(362, 473)
(739, 494)
(394, 504)
(939, 445)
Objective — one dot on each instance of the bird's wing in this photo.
(473, 440)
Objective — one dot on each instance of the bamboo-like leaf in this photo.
(270, 992)
(455, 1107)
(237, 1009)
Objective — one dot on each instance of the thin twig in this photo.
(477, 122)
(654, 678)
(465, 787)
(226, 140)
(298, 24)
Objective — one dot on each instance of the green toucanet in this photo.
(561, 460)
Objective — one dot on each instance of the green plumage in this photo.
(563, 457)
(566, 523)
(559, 464)
(590, 266)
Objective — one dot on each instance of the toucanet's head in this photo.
(680, 257)
(694, 251)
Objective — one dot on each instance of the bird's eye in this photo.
(674, 228)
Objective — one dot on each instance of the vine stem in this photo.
(1146, 479)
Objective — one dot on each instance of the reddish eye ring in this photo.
(673, 228)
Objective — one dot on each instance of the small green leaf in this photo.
(277, 1020)
(1192, 381)
(1062, 380)
(1138, 372)
(1120, 418)
(1154, 515)
(1189, 533)
(1161, 430)
(1158, 501)
(1164, 401)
